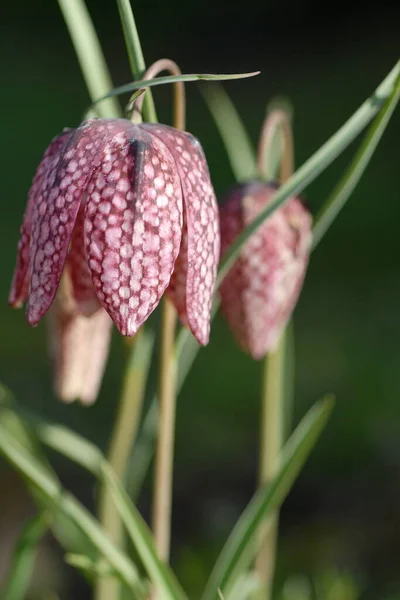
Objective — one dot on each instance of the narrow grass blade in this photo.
(146, 83)
(346, 185)
(159, 573)
(238, 147)
(310, 170)
(68, 506)
(23, 561)
(240, 548)
(90, 55)
(135, 53)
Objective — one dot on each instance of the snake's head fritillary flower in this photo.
(124, 211)
(260, 292)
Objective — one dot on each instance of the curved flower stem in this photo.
(90, 55)
(272, 392)
(135, 53)
(276, 122)
(166, 64)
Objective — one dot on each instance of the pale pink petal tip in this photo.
(79, 348)
(260, 292)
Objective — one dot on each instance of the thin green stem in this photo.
(122, 438)
(135, 53)
(272, 389)
(271, 441)
(90, 55)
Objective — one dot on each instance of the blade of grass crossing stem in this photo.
(169, 79)
(314, 165)
(240, 547)
(238, 146)
(346, 185)
(47, 485)
(160, 574)
(24, 558)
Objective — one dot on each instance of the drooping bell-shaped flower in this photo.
(260, 292)
(111, 201)
(119, 209)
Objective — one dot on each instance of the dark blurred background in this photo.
(344, 512)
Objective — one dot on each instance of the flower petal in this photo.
(195, 270)
(57, 206)
(260, 291)
(78, 269)
(79, 347)
(133, 227)
(20, 282)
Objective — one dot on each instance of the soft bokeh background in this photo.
(344, 512)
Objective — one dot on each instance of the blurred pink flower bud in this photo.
(261, 290)
(121, 209)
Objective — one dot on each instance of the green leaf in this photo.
(160, 574)
(68, 506)
(348, 182)
(89, 567)
(241, 545)
(146, 83)
(310, 170)
(23, 561)
(234, 135)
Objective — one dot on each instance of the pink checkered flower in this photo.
(260, 292)
(124, 212)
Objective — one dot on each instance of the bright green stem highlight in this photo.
(135, 54)
(23, 561)
(123, 436)
(90, 55)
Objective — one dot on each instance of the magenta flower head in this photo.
(121, 209)
(259, 293)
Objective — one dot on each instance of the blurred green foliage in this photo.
(344, 510)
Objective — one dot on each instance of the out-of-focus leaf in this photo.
(24, 557)
(241, 545)
(159, 573)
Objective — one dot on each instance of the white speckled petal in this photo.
(261, 290)
(78, 269)
(20, 282)
(56, 208)
(79, 347)
(133, 227)
(193, 281)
